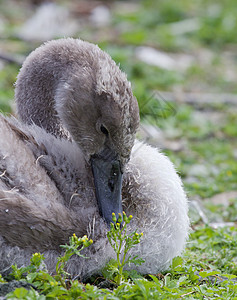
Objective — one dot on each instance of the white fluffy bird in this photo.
(72, 160)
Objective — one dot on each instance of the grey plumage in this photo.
(97, 92)
(65, 90)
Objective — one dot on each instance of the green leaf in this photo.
(155, 279)
(57, 291)
(205, 274)
(176, 262)
(19, 293)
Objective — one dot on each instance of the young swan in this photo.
(67, 163)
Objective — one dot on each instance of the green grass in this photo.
(206, 271)
(208, 144)
(7, 79)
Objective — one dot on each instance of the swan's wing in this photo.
(33, 213)
(62, 160)
(31, 206)
(27, 224)
(19, 168)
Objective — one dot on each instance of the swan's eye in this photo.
(104, 130)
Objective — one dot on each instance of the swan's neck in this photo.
(35, 95)
(46, 70)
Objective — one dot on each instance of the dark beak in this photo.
(107, 174)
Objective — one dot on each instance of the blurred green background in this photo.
(182, 61)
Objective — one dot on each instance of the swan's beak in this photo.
(107, 174)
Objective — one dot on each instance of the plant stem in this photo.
(120, 268)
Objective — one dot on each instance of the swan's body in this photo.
(47, 188)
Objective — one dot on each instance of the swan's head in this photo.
(93, 100)
(97, 107)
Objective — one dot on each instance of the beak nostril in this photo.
(114, 174)
(111, 184)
